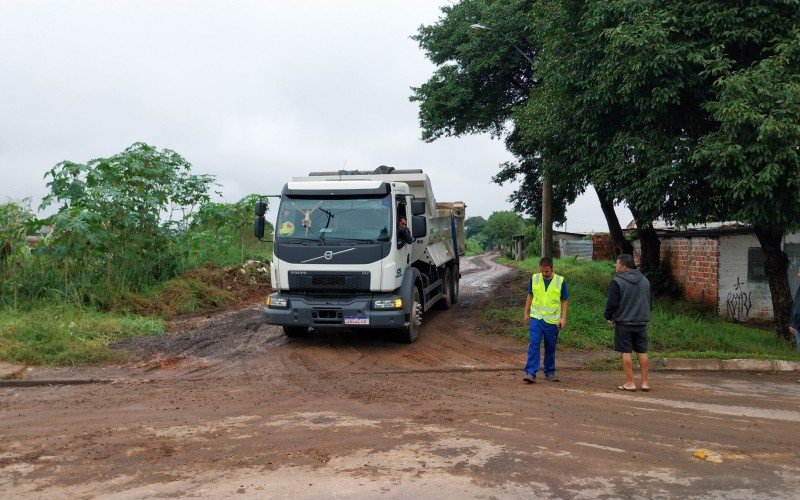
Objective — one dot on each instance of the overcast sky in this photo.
(251, 92)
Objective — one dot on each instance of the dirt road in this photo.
(233, 408)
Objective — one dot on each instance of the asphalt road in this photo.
(233, 408)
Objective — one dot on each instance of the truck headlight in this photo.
(393, 303)
(277, 302)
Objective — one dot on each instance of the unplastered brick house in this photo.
(722, 266)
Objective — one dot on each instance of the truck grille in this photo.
(329, 282)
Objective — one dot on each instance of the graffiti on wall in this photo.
(739, 301)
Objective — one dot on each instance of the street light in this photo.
(547, 185)
(479, 28)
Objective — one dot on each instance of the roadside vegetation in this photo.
(684, 111)
(678, 328)
(135, 240)
(498, 231)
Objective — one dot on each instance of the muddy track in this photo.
(232, 408)
(243, 343)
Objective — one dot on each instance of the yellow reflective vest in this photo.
(546, 304)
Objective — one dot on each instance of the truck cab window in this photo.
(335, 220)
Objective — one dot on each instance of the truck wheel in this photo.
(295, 331)
(447, 288)
(410, 333)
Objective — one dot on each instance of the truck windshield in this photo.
(335, 219)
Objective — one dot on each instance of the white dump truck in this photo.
(362, 250)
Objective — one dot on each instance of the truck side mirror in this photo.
(260, 208)
(419, 226)
(417, 207)
(258, 226)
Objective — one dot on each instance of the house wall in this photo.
(740, 298)
(694, 263)
(714, 271)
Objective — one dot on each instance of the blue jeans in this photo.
(538, 329)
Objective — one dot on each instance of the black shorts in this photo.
(630, 338)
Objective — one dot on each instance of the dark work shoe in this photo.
(551, 378)
(529, 379)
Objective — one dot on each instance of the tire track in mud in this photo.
(239, 343)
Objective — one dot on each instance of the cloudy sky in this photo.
(251, 92)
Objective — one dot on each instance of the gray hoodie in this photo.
(629, 300)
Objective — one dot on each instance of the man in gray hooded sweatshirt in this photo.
(628, 309)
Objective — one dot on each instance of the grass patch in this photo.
(678, 328)
(61, 334)
(68, 335)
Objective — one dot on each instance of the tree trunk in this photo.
(651, 244)
(621, 244)
(776, 266)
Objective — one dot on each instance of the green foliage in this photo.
(481, 77)
(686, 110)
(109, 232)
(473, 226)
(663, 283)
(67, 335)
(501, 226)
(677, 328)
(222, 233)
(754, 155)
(16, 222)
(533, 239)
(476, 244)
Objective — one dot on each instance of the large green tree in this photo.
(753, 155)
(501, 226)
(474, 225)
(117, 216)
(483, 82)
(685, 110)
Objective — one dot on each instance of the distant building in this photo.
(38, 236)
(573, 245)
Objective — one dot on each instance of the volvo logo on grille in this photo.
(328, 255)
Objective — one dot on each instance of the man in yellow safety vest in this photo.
(545, 315)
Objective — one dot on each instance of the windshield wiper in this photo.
(300, 241)
(355, 240)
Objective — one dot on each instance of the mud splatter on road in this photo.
(233, 408)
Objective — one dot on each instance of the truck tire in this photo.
(295, 331)
(410, 333)
(447, 290)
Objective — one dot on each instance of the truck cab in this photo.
(342, 260)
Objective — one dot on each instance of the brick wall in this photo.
(694, 263)
(602, 247)
(713, 270)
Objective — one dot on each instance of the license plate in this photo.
(356, 320)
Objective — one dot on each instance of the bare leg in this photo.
(627, 367)
(644, 365)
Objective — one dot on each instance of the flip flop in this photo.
(645, 389)
(623, 388)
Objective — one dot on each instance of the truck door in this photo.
(403, 226)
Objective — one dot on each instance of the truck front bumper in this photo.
(328, 312)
